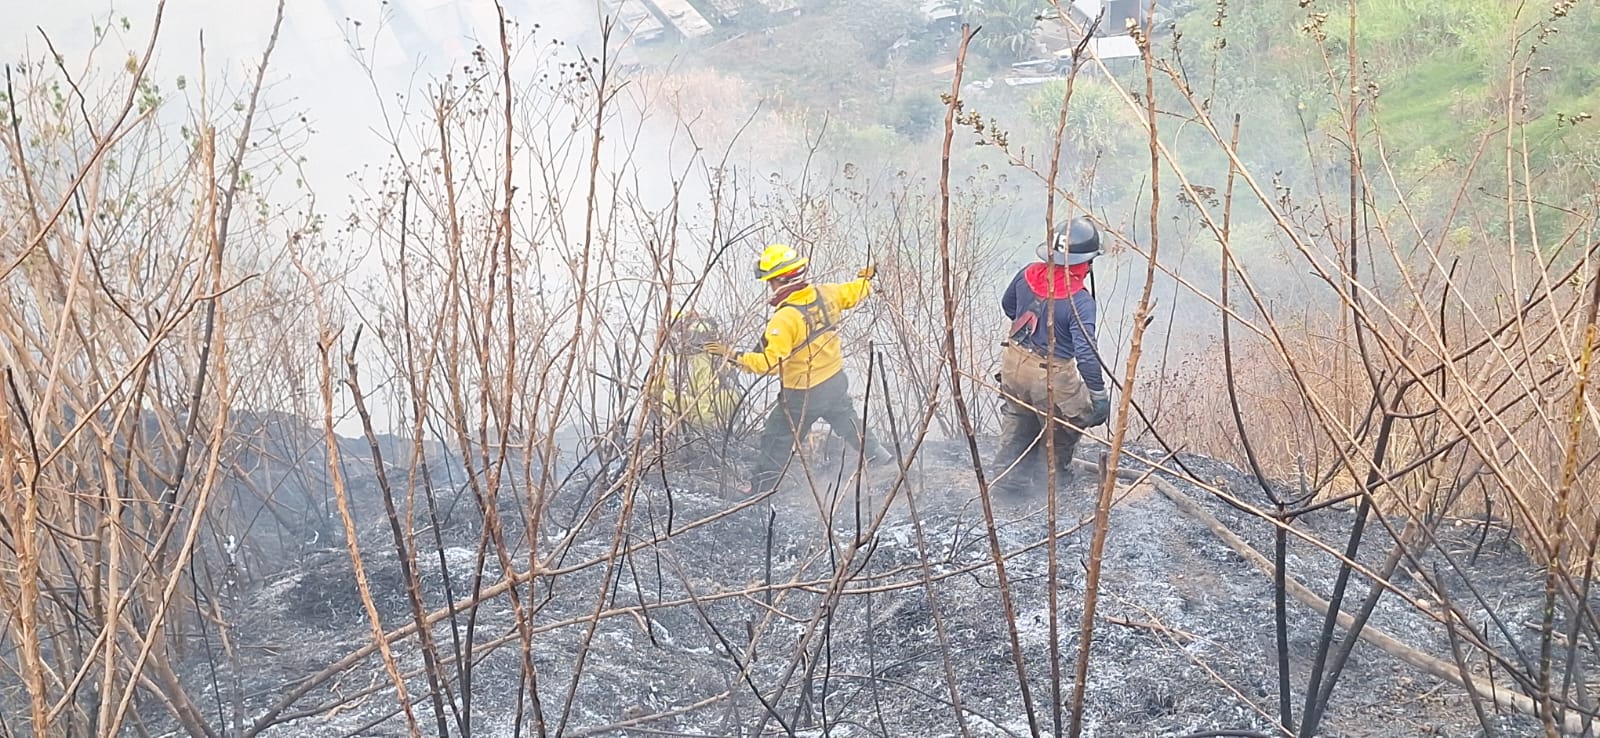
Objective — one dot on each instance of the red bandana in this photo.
(785, 291)
(1052, 281)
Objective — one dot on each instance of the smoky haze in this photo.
(360, 74)
(387, 411)
(359, 77)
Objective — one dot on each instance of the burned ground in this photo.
(1184, 638)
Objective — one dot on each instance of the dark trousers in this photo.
(791, 419)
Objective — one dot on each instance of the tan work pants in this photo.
(1026, 379)
(1027, 376)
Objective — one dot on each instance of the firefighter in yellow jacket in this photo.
(801, 344)
(693, 384)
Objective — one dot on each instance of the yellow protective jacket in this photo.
(691, 387)
(802, 337)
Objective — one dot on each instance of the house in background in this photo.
(730, 11)
(941, 15)
(1118, 14)
(680, 16)
(1109, 41)
(638, 21)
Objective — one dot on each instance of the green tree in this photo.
(1007, 26)
(1098, 120)
(914, 116)
(876, 25)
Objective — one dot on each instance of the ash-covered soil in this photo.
(699, 629)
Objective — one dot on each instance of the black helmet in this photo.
(1075, 242)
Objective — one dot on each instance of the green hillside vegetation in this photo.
(1446, 72)
(1434, 87)
(1434, 76)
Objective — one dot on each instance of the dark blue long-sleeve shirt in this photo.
(1074, 324)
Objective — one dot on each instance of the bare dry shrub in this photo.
(148, 339)
(1306, 391)
(160, 308)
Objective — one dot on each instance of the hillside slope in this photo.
(1184, 638)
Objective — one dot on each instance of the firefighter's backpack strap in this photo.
(819, 320)
(1027, 322)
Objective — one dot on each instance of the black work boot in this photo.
(1019, 453)
(1066, 444)
(1029, 473)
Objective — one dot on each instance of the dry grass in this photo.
(154, 317)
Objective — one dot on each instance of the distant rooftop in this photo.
(682, 16)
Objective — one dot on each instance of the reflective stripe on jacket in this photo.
(802, 337)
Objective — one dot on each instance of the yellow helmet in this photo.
(778, 260)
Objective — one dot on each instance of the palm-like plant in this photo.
(1007, 24)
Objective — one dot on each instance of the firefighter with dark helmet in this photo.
(1052, 342)
(801, 343)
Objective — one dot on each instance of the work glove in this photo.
(867, 271)
(1100, 409)
(718, 348)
